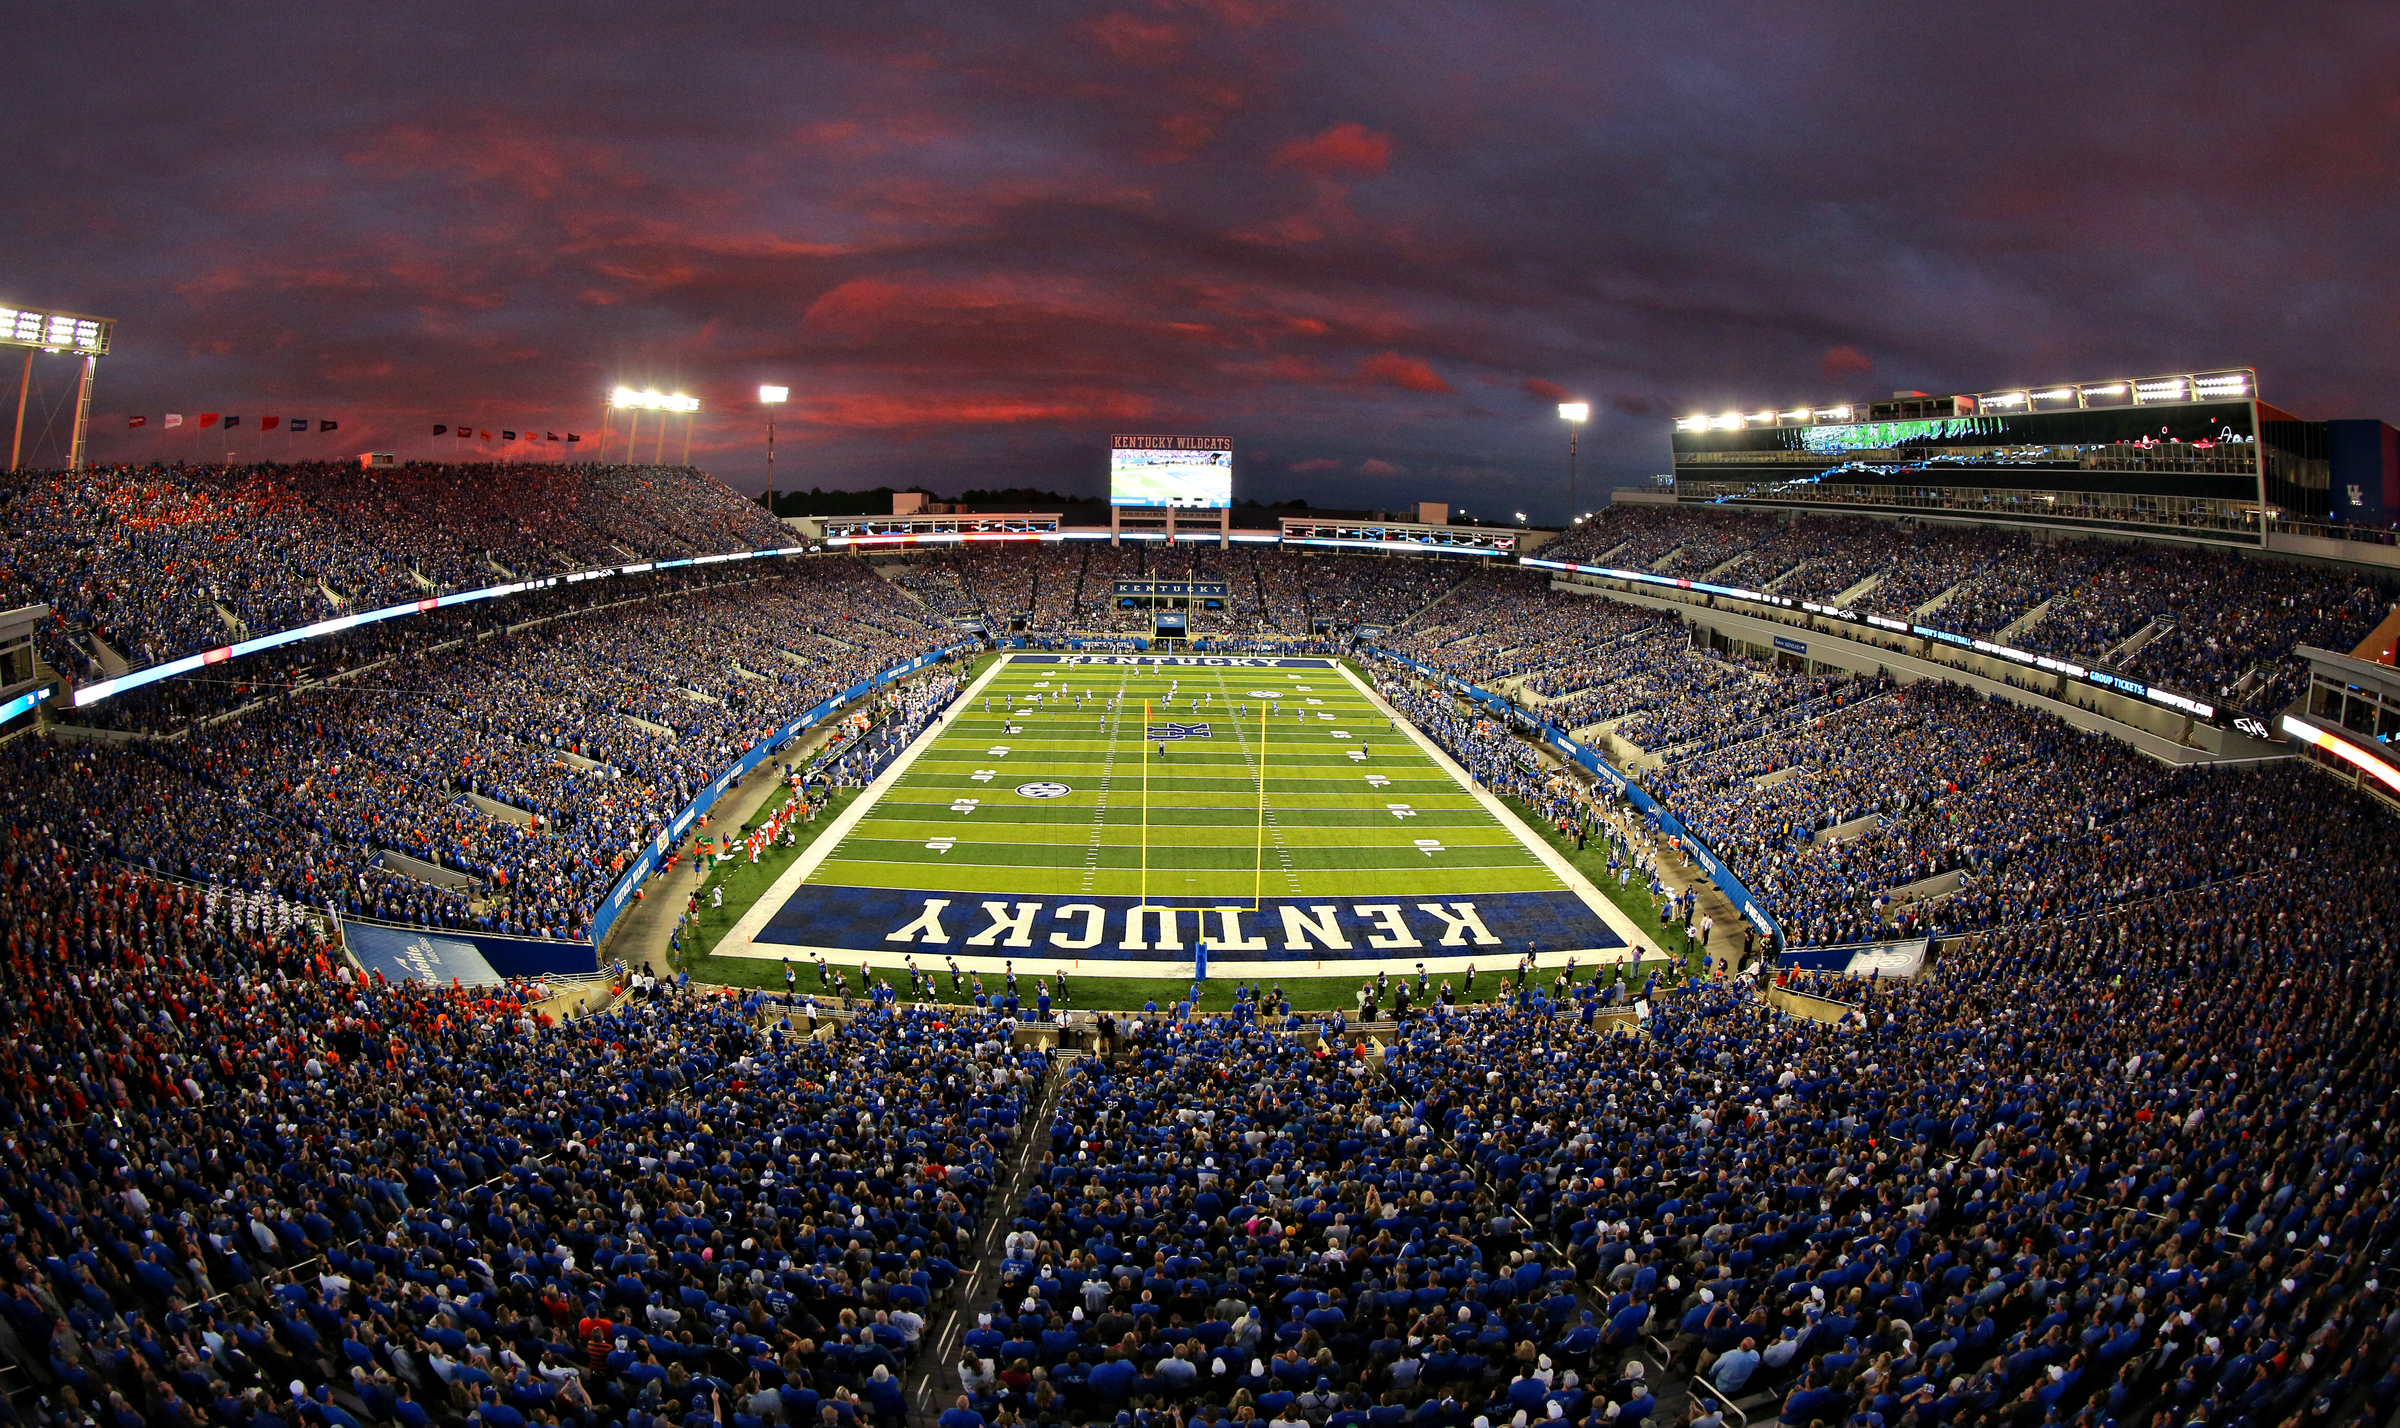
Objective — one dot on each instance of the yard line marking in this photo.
(1108, 762)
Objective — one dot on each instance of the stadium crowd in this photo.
(2125, 1161)
(582, 737)
(2205, 621)
(158, 562)
(246, 1187)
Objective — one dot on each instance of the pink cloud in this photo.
(1374, 467)
(1410, 374)
(1351, 149)
(1321, 463)
(1847, 361)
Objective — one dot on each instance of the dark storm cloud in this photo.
(1375, 243)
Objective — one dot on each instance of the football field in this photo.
(1100, 809)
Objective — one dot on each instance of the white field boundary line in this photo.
(742, 940)
(1636, 941)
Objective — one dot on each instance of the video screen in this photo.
(1150, 477)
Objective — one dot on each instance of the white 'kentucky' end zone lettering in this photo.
(1326, 925)
(927, 923)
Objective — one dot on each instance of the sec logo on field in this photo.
(1043, 790)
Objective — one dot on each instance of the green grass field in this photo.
(1185, 823)
(1057, 790)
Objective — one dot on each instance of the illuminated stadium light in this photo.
(626, 398)
(2231, 384)
(55, 331)
(1575, 411)
(773, 395)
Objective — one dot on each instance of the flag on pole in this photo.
(137, 421)
(440, 430)
(266, 423)
(508, 436)
(296, 423)
(231, 422)
(324, 425)
(487, 436)
(571, 436)
(550, 436)
(174, 419)
(208, 418)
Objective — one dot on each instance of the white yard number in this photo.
(1429, 846)
(1401, 810)
(941, 845)
(1377, 780)
(998, 751)
(983, 775)
(966, 805)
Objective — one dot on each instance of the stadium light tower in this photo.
(771, 398)
(1574, 414)
(43, 330)
(626, 399)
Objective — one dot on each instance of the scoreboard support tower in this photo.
(1167, 519)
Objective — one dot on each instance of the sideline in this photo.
(1638, 945)
(741, 940)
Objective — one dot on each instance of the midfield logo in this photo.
(1179, 731)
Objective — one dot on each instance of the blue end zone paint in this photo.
(1381, 928)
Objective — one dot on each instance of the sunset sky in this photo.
(1374, 244)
